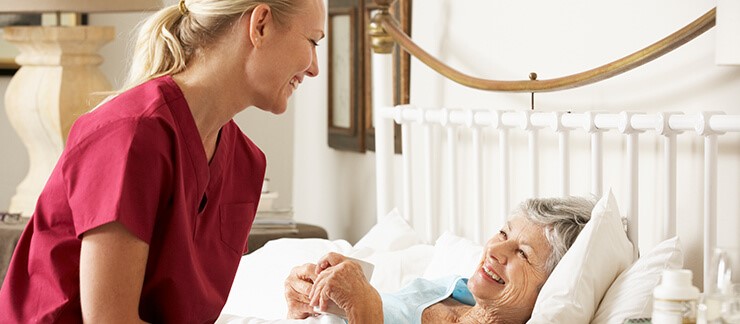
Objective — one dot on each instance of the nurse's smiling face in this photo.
(285, 59)
(512, 269)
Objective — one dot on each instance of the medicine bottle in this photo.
(674, 300)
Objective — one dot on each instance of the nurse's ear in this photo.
(260, 23)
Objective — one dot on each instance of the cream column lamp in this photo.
(58, 72)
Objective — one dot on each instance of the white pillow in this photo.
(630, 296)
(394, 269)
(578, 283)
(453, 255)
(391, 233)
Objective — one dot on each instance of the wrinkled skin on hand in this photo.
(343, 282)
(298, 285)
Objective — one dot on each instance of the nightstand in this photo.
(10, 232)
(258, 237)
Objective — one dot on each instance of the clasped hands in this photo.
(334, 278)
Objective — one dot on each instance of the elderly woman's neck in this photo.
(493, 314)
(452, 311)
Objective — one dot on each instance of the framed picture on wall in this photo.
(345, 75)
(350, 72)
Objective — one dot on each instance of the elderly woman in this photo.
(515, 264)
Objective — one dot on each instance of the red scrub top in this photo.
(139, 160)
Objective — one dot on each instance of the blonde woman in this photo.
(146, 215)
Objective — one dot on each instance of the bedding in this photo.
(578, 283)
(631, 294)
(600, 255)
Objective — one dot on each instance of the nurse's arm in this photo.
(112, 266)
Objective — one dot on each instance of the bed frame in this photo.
(467, 179)
(456, 164)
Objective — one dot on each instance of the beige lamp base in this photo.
(59, 72)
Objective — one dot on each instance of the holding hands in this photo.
(334, 279)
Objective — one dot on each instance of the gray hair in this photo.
(563, 219)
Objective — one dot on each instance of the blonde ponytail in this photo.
(168, 39)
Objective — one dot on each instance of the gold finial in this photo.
(382, 42)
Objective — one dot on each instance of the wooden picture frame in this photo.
(345, 75)
(350, 122)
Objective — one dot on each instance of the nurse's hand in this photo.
(343, 282)
(297, 287)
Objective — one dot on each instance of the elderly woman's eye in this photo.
(522, 254)
(502, 234)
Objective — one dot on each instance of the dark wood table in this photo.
(258, 237)
(10, 232)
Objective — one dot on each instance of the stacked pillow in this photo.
(599, 254)
(631, 294)
(590, 284)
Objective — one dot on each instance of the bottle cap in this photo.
(679, 277)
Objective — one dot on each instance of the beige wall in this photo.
(14, 163)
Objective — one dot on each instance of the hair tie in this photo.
(183, 9)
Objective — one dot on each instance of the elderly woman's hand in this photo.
(297, 287)
(343, 282)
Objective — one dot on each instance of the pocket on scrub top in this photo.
(236, 221)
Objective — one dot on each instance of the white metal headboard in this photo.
(450, 122)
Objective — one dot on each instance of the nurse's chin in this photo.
(276, 109)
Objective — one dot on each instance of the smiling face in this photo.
(286, 55)
(512, 268)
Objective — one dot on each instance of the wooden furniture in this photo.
(258, 237)
(10, 232)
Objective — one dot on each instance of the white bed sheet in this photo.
(391, 245)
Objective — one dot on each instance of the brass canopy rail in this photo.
(384, 30)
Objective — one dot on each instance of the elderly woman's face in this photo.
(512, 268)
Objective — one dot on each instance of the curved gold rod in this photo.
(645, 55)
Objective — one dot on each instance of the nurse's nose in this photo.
(313, 69)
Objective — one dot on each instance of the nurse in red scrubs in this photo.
(146, 215)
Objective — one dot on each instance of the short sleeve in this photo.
(120, 172)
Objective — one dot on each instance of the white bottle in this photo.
(674, 300)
